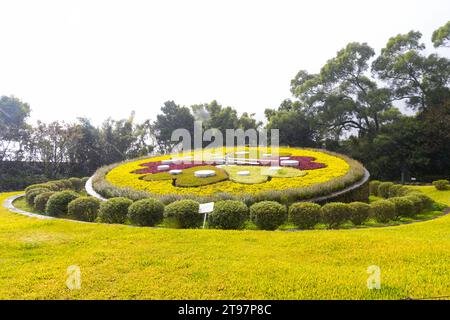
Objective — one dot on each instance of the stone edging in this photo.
(8, 204)
(90, 190)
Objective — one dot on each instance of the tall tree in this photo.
(173, 117)
(342, 95)
(13, 127)
(441, 37)
(411, 75)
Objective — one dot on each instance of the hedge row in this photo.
(229, 214)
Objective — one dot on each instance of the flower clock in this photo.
(235, 172)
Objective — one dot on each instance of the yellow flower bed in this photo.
(122, 176)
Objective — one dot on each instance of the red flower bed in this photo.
(305, 163)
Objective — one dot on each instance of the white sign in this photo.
(206, 207)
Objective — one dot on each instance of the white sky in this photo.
(106, 58)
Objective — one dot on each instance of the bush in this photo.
(336, 213)
(383, 210)
(40, 201)
(403, 206)
(33, 193)
(84, 181)
(373, 186)
(48, 186)
(58, 202)
(268, 215)
(441, 185)
(228, 214)
(76, 184)
(84, 208)
(146, 212)
(394, 190)
(403, 191)
(383, 189)
(114, 210)
(417, 202)
(427, 202)
(305, 215)
(184, 213)
(360, 213)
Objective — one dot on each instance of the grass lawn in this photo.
(120, 262)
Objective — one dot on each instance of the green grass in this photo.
(122, 262)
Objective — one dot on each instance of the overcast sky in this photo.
(102, 59)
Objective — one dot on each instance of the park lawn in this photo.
(123, 262)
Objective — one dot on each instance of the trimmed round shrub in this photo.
(114, 210)
(383, 189)
(84, 208)
(441, 185)
(417, 202)
(47, 185)
(76, 183)
(427, 202)
(360, 213)
(394, 190)
(403, 191)
(373, 186)
(335, 213)
(184, 213)
(58, 202)
(84, 180)
(33, 193)
(305, 215)
(228, 214)
(40, 202)
(146, 212)
(383, 210)
(268, 215)
(403, 206)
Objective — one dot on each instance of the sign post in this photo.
(205, 208)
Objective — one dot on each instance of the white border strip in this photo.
(8, 204)
(90, 190)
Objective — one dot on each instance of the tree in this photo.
(342, 96)
(441, 37)
(295, 129)
(13, 127)
(173, 117)
(411, 75)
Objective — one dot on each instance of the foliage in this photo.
(441, 185)
(384, 188)
(360, 212)
(84, 208)
(33, 193)
(305, 215)
(58, 202)
(403, 206)
(268, 215)
(184, 213)
(76, 184)
(228, 214)
(383, 210)
(336, 213)
(40, 202)
(441, 37)
(146, 212)
(114, 210)
(374, 185)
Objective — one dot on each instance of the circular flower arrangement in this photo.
(234, 172)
